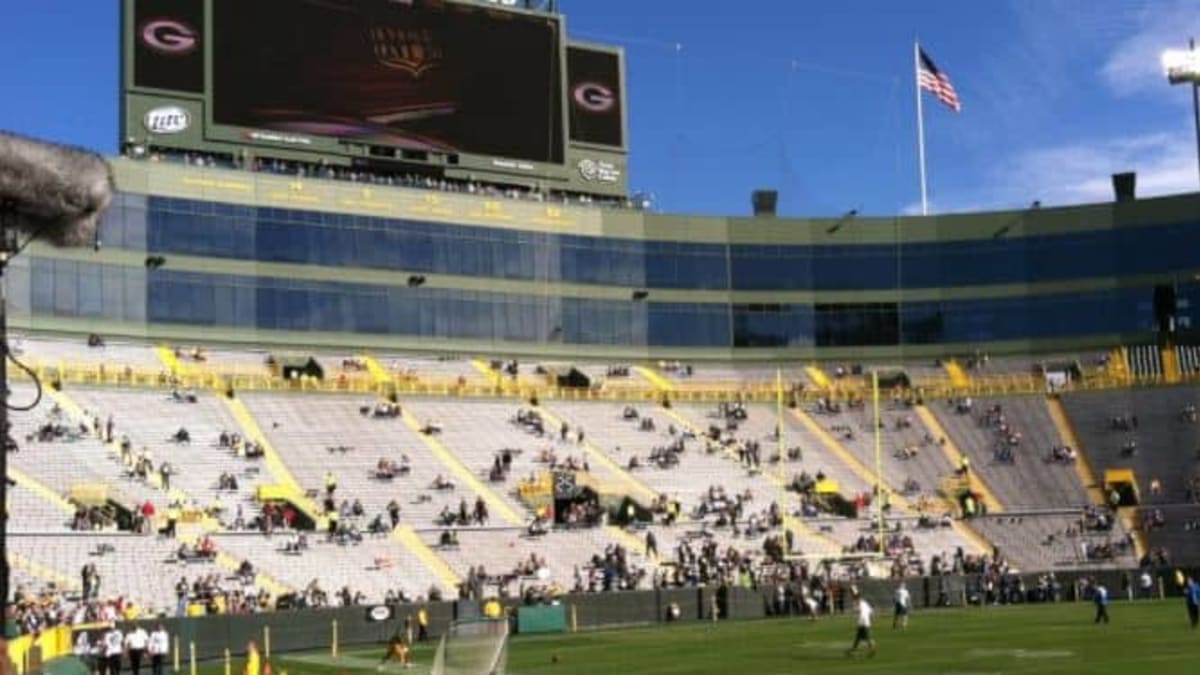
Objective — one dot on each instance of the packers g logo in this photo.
(593, 96)
(170, 37)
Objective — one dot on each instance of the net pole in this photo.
(878, 460)
(784, 511)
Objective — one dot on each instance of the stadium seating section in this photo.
(460, 437)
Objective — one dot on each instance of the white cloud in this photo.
(1127, 38)
(1134, 65)
(1081, 172)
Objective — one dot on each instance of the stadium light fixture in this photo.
(1182, 66)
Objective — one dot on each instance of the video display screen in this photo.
(595, 96)
(168, 50)
(418, 74)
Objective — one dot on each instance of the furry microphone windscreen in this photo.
(56, 193)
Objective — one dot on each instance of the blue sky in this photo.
(814, 99)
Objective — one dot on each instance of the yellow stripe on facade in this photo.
(408, 537)
(958, 376)
(632, 544)
(803, 532)
(639, 491)
(36, 569)
(261, 579)
(166, 355)
(652, 376)
(818, 376)
(897, 501)
(378, 372)
(271, 457)
(68, 404)
(495, 503)
(1170, 366)
(33, 485)
(848, 459)
(1083, 466)
(955, 456)
(1128, 517)
(486, 370)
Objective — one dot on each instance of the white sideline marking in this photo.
(827, 644)
(1023, 653)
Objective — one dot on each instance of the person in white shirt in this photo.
(114, 647)
(903, 605)
(1147, 584)
(136, 641)
(83, 650)
(863, 633)
(160, 646)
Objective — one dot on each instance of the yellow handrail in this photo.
(207, 376)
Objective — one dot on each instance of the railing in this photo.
(204, 376)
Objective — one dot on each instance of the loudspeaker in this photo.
(764, 202)
(1125, 186)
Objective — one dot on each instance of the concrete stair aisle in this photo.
(1167, 443)
(500, 550)
(1179, 536)
(697, 470)
(1024, 540)
(927, 468)
(150, 418)
(82, 459)
(756, 427)
(374, 566)
(476, 432)
(1030, 481)
(302, 428)
(31, 511)
(141, 568)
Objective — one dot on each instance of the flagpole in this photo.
(920, 126)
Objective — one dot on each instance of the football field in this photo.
(1144, 637)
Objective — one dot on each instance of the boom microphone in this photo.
(57, 193)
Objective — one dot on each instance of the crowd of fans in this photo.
(371, 176)
(724, 538)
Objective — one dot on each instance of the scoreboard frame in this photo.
(155, 117)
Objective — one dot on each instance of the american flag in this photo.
(933, 80)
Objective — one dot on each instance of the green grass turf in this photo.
(1144, 637)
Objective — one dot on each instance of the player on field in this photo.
(397, 651)
(1191, 596)
(863, 632)
(1101, 600)
(903, 606)
(253, 660)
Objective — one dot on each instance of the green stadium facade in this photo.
(271, 259)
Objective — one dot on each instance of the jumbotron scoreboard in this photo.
(468, 89)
